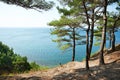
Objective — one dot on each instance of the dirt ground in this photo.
(76, 71)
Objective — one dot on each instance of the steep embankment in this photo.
(76, 70)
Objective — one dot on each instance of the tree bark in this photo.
(87, 50)
(87, 37)
(101, 59)
(92, 34)
(113, 40)
(113, 34)
(74, 43)
(110, 39)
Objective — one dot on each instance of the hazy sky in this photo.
(15, 16)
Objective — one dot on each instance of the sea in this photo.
(36, 44)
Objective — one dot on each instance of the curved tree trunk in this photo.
(101, 59)
(87, 37)
(113, 33)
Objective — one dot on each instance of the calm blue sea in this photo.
(37, 45)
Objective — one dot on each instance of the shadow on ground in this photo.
(19, 78)
(107, 72)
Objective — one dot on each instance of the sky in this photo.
(15, 16)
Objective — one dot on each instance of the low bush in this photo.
(14, 63)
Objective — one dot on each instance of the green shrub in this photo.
(21, 64)
(14, 63)
(36, 67)
(5, 63)
(11, 62)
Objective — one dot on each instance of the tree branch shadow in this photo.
(110, 71)
(20, 78)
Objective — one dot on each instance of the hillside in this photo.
(76, 71)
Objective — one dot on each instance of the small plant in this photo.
(36, 67)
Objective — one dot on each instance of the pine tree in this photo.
(31, 4)
(67, 31)
(88, 9)
(114, 20)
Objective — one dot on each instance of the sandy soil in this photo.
(76, 71)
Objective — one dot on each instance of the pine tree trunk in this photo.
(87, 37)
(92, 34)
(110, 39)
(113, 34)
(73, 57)
(87, 50)
(113, 41)
(101, 61)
